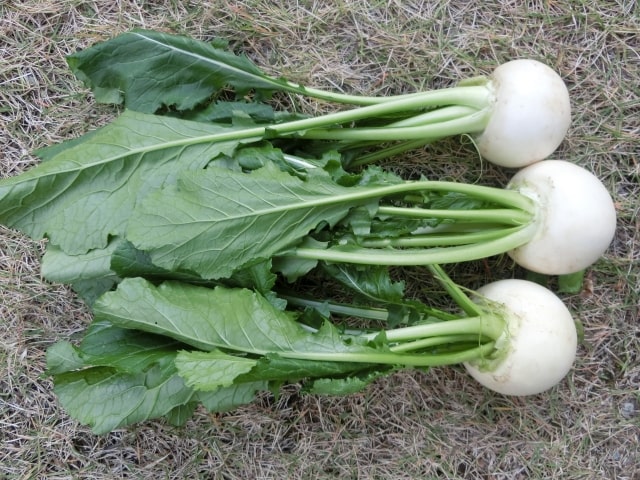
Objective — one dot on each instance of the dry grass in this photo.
(414, 425)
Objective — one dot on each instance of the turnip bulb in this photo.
(530, 115)
(574, 222)
(539, 345)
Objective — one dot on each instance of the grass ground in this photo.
(413, 425)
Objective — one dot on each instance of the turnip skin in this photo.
(530, 116)
(575, 222)
(539, 345)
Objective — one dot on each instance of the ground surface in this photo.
(410, 426)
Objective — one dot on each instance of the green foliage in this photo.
(134, 362)
(178, 222)
(216, 221)
(149, 70)
(84, 194)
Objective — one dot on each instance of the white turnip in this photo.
(575, 217)
(530, 116)
(538, 346)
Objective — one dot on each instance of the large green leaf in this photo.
(208, 318)
(228, 324)
(216, 221)
(117, 376)
(231, 319)
(147, 70)
(84, 194)
(105, 398)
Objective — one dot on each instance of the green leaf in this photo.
(235, 320)
(216, 221)
(230, 112)
(117, 376)
(126, 350)
(370, 282)
(345, 386)
(106, 399)
(211, 370)
(229, 398)
(63, 357)
(84, 195)
(106, 345)
(148, 70)
(373, 285)
(90, 290)
(89, 274)
(179, 414)
(456, 201)
(58, 266)
(257, 277)
(571, 283)
(292, 267)
(128, 261)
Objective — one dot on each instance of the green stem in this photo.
(368, 313)
(443, 114)
(391, 358)
(436, 240)
(488, 325)
(434, 342)
(349, 253)
(364, 100)
(410, 257)
(507, 217)
(455, 292)
(478, 98)
(386, 152)
(473, 123)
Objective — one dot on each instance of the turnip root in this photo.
(539, 345)
(575, 218)
(530, 115)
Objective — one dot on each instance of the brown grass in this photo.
(413, 425)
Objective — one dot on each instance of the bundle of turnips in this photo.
(188, 223)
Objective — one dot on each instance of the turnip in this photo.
(530, 117)
(538, 346)
(554, 218)
(537, 340)
(156, 346)
(520, 337)
(514, 336)
(571, 203)
(518, 115)
(558, 219)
